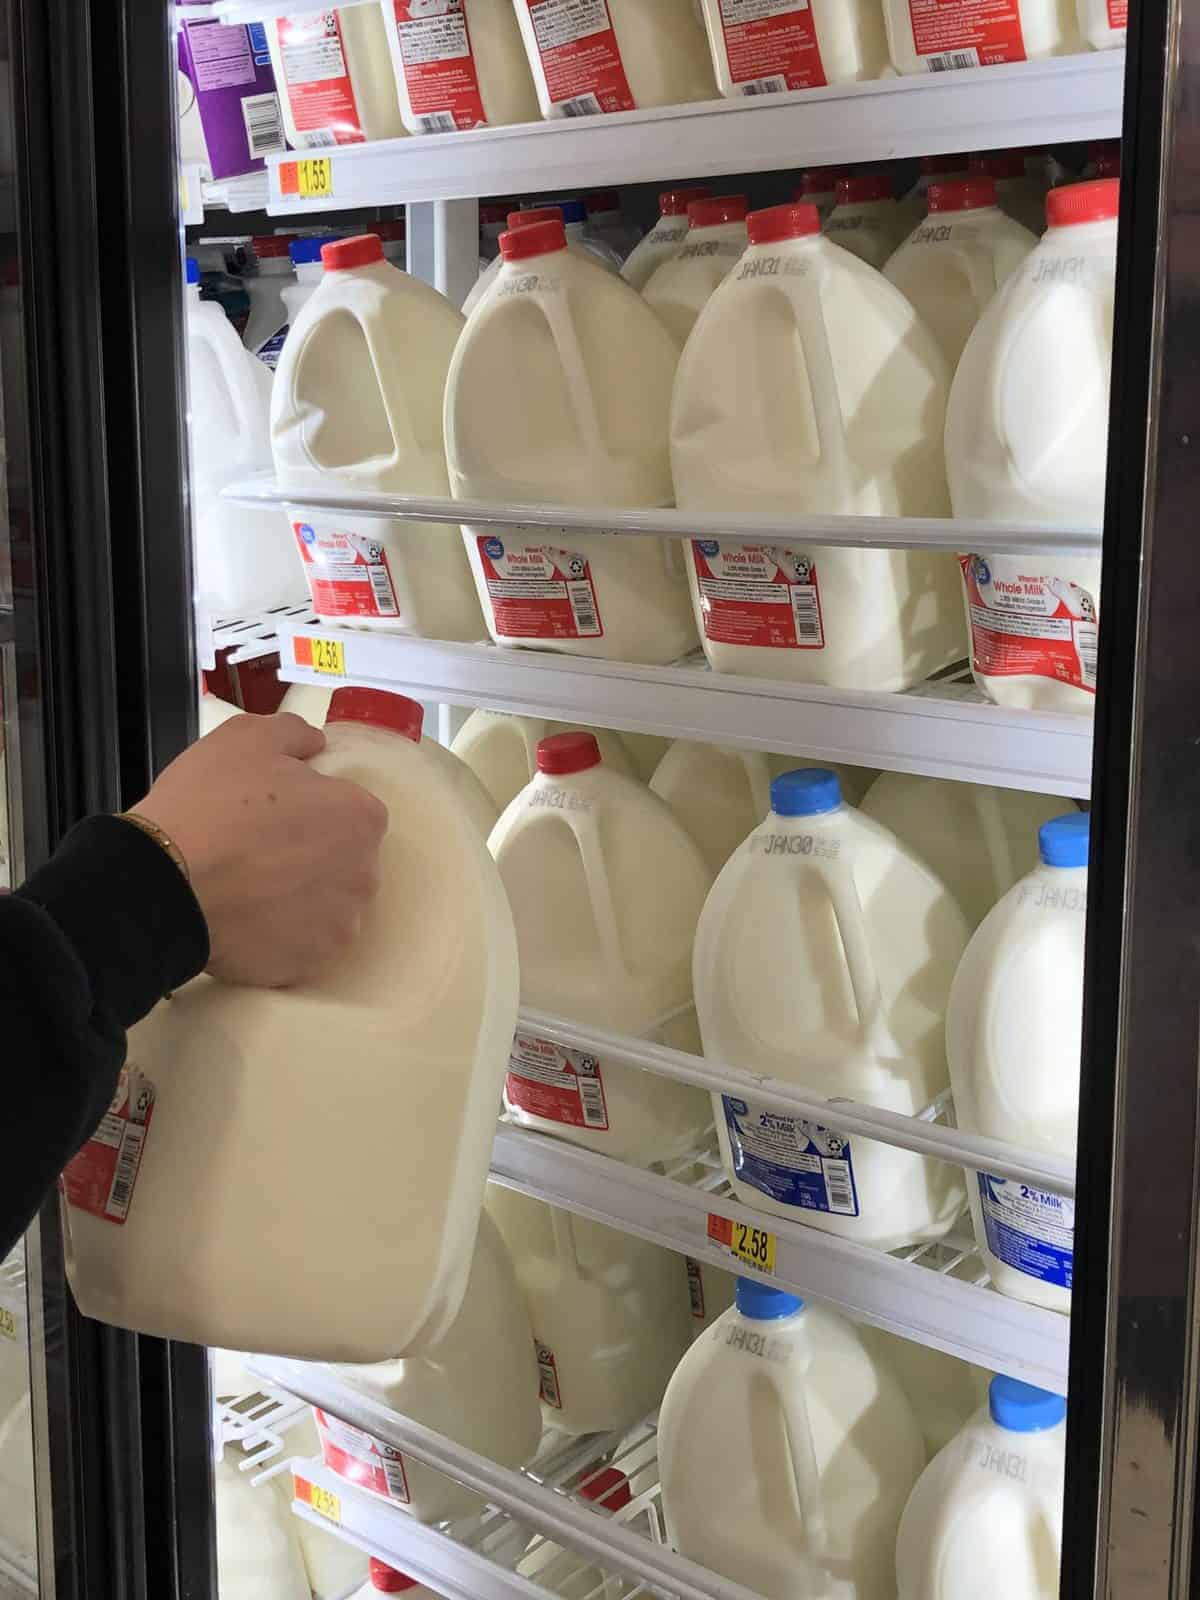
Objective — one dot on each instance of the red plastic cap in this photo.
(1097, 201)
(962, 194)
(862, 186)
(603, 200)
(711, 213)
(1000, 163)
(942, 166)
(379, 709)
(363, 250)
(817, 180)
(526, 219)
(539, 239)
(395, 229)
(270, 246)
(796, 221)
(563, 753)
(609, 1489)
(387, 1580)
(675, 202)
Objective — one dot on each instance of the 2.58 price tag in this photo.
(310, 178)
(753, 1247)
(321, 655)
(323, 1501)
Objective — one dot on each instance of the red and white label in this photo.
(348, 573)
(558, 1085)
(439, 65)
(772, 45)
(1030, 625)
(695, 1280)
(538, 591)
(319, 89)
(966, 33)
(1118, 13)
(361, 1460)
(580, 56)
(763, 595)
(101, 1178)
(548, 1377)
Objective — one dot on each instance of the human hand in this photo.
(282, 859)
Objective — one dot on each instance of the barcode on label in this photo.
(397, 1483)
(591, 1097)
(318, 139)
(838, 1188)
(264, 125)
(583, 608)
(773, 85)
(951, 60)
(381, 588)
(548, 1373)
(1086, 643)
(437, 122)
(695, 1287)
(125, 1176)
(807, 617)
(581, 105)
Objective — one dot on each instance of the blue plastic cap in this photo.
(1021, 1408)
(764, 1304)
(307, 252)
(805, 793)
(193, 270)
(1063, 841)
(572, 210)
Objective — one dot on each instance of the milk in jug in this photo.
(824, 958)
(458, 66)
(1013, 1030)
(594, 367)
(501, 750)
(1020, 191)
(645, 751)
(334, 75)
(786, 1453)
(309, 270)
(602, 941)
(665, 239)
(1027, 441)
(934, 169)
(579, 240)
(609, 1323)
(374, 1257)
(963, 33)
(615, 55)
(258, 1552)
(682, 287)
(953, 263)
(358, 405)
(793, 44)
(866, 219)
(1103, 22)
(818, 187)
(944, 1392)
(565, 1572)
(810, 386)
(992, 1502)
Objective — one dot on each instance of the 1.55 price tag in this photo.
(321, 655)
(310, 178)
(323, 1501)
(754, 1247)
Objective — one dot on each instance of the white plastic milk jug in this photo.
(818, 187)
(786, 1453)
(666, 237)
(682, 287)
(810, 386)
(501, 750)
(333, 1567)
(258, 1552)
(951, 265)
(977, 839)
(1103, 22)
(934, 169)
(1021, 188)
(419, 1015)
(334, 75)
(991, 1503)
(594, 367)
(1027, 441)
(266, 328)
(306, 262)
(944, 1392)
(566, 1573)
(1013, 1030)
(579, 240)
(615, 55)
(602, 941)
(609, 1323)
(824, 958)
(458, 66)
(767, 48)
(865, 218)
(358, 405)
(963, 33)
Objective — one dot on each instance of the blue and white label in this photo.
(1028, 1229)
(271, 349)
(795, 1162)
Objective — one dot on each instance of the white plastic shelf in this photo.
(251, 637)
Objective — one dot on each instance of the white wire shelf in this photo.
(251, 637)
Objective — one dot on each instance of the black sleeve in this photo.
(88, 946)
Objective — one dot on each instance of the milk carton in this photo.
(1103, 22)
(961, 33)
(866, 219)
(459, 66)
(682, 287)
(1020, 189)
(793, 44)
(501, 750)
(334, 75)
(228, 70)
(665, 239)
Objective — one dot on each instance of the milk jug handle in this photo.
(394, 400)
(554, 308)
(852, 926)
(587, 836)
(821, 375)
(802, 1455)
(564, 1240)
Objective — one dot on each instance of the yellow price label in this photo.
(314, 178)
(322, 655)
(8, 1324)
(185, 204)
(754, 1246)
(323, 1501)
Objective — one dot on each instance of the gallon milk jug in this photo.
(978, 840)
(458, 66)
(866, 219)
(334, 76)
(665, 239)
(818, 187)
(566, 1573)
(419, 1015)
(682, 287)
(501, 750)
(1027, 441)
(787, 1453)
(333, 1567)
(1103, 22)
(1013, 1040)
(991, 1503)
(945, 1393)
(951, 265)
(824, 958)
(382, 1579)
(243, 560)
(793, 44)
(594, 367)
(1020, 192)
(963, 33)
(934, 169)
(478, 1385)
(268, 312)
(810, 386)
(306, 263)
(608, 1320)
(602, 941)
(607, 222)
(645, 750)
(579, 240)
(615, 55)
(358, 405)
(258, 1552)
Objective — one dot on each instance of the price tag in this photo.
(322, 655)
(755, 1247)
(323, 1501)
(8, 1324)
(310, 178)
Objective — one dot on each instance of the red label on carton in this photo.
(439, 66)
(348, 573)
(966, 33)
(1030, 625)
(319, 89)
(772, 45)
(763, 595)
(101, 1178)
(580, 56)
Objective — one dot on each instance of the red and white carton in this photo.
(459, 64)
(334, 76)
(771, 46)
(945, 35)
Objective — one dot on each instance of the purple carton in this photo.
(230, 70)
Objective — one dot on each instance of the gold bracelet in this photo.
(163, 840)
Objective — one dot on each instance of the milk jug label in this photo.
(771, 45)
(1028, 1229)
(320, 92)
(361, 1460)
(271, 349)
(1118, 13)
(1030, 624)
(551, 1394)
(796, 1162)
(695, 1281)
(439, 65)
(538, 591)
(763, 595)
(559, 1085)
(966, 33)
(348, 573)
(580, 56)
(101, 1178)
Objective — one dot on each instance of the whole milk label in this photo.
(101, 1178)
(320, 92)
(1028, 1229)
(538, 591)
(348, 573)
(439, 66)
(580, 56)
(796, 1162)
(361, 1460)
(550, 1392)
(558, 1085)
(771, 45)
(1030, 624)
(966, 33)
(763, 595)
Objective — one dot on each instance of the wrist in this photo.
(161, 838)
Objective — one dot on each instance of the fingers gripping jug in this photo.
(681, 288)
(665, 239)
(458, 66)
(218, 1205)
